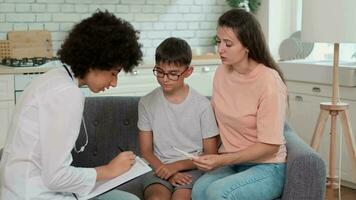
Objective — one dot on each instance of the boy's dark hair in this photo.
(174, 51)
(102, 42)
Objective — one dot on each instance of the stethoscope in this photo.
(82, 148)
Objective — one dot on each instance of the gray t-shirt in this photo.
(182, 125)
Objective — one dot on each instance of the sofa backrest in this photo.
(111, 123)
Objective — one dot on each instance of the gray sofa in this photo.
(111, 123)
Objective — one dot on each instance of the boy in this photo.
(174, 116)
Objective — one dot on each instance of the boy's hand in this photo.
(165, 171)
(180, 179)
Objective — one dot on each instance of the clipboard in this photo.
(139, 168)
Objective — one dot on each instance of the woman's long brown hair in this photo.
(249, 32)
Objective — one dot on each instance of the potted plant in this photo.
(249, 5)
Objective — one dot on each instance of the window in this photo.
(324, 51)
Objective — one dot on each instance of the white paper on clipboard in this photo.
(139, 168)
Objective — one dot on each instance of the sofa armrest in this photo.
(306, 170)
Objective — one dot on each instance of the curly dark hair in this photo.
(174, 51)
(102, 42)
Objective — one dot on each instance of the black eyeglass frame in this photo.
(168, 74)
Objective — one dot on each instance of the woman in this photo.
(37, 155)
(249, 100)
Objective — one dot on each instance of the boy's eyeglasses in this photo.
(174, 76)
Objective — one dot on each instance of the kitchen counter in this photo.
(318, 72)
(22, 70)
(148, 63)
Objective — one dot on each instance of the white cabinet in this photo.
(302, 114)
(304, 101)
(6, 105)
(141, 81)
(136, 83)
(202, 79)
(6, 87)
(6, 109)
(348, 173)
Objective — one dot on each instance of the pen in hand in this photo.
(141, 159)
(121, 149)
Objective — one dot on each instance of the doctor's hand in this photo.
(208, 162)
(122, 162)
(117, 166)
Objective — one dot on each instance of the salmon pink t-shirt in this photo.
(250, 108)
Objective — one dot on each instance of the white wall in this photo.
(193, 20)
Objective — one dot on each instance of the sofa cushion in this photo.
(111, 123)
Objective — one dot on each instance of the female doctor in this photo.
(46, 122)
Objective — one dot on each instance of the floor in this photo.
(346, 194)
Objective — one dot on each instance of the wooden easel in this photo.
(334, 109)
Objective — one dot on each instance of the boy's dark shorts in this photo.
(150, 178)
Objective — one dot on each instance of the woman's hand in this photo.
(208, 162)
(180, 179)
(165, 171)
(118, 165)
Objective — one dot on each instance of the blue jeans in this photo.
(241, 182)
(116, 195)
